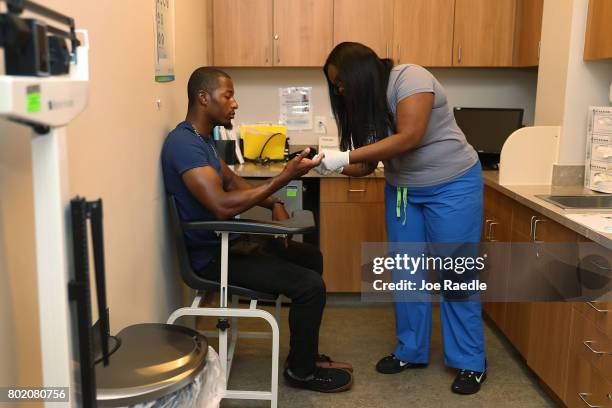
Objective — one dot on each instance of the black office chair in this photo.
(301, 222)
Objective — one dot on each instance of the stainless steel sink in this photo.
(600, 202)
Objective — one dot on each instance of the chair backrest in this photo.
(192, 279)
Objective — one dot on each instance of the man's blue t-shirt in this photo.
(184, 150)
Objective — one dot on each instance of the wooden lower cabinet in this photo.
(516, 322)
(598, 312)
(518, 325)
(549, 333)
(589, 381)
(586, 386)
(549, 340)
(352, 212)
(496, 227)
(553, 337)
(592, 344)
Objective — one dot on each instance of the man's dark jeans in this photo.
(294, 271)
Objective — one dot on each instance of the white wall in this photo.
(257, 92)
(588, 84)
(568, 85)
(554, 57)
(113, 153)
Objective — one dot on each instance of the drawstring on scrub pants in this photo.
(402, 197)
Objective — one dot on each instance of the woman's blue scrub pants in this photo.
(448, 212)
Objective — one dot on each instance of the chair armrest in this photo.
(301, 222)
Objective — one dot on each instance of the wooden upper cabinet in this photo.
(375, 30)
(423, 32)
(242, 32)
(598, 40)
(484, 33)
(432, 33)
(303, 32)
(528, 32)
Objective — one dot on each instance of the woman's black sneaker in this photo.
(322, 380)
(468, 382)
(393, 365)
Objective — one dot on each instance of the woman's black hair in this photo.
(362, 111)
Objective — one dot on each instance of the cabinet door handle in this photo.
(356, 190)
(399, 53)
(534, 217)
(278, 54)
(588, 345)
(490, 235)
(595, 307)
(535, 228)
(267, 54)
(582, 396)
(459, 54)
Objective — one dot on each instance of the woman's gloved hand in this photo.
(334, 159)
(319, 169)
(324, 172)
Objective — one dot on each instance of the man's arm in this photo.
(233, 182)
(206, 186)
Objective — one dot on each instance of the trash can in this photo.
(155, 365)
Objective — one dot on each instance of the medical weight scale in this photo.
(47, 104)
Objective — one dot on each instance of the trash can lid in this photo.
(152, 361)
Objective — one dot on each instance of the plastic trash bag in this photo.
(205, 391)
(213, 382)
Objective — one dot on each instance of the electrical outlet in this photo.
(320, 124)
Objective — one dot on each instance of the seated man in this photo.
(205, 188)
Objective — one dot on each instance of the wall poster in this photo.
(164, 40)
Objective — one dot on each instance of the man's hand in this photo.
(279, 212)
(300, 165)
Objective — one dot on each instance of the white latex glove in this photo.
(322, 171)
(334, 159)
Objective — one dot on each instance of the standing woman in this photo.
(433, 191)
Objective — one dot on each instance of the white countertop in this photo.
(526, 195)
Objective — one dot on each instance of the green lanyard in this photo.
(402, 197)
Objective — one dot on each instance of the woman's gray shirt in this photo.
(443, 153)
